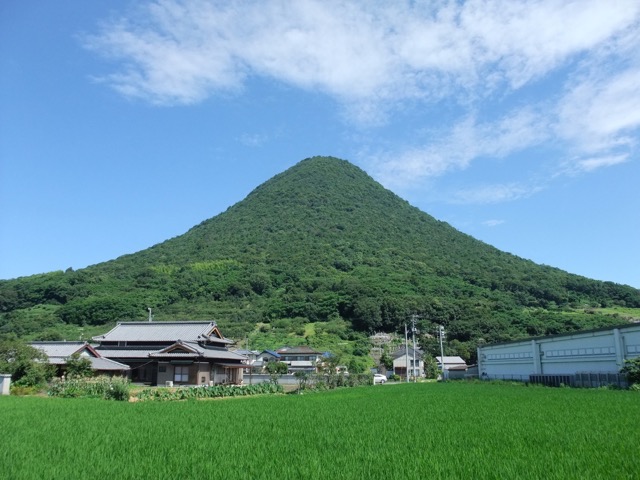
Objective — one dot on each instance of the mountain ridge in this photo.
(320, 242)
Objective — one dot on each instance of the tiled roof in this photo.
(59, 352)
(59, 349)
(208, 353)
(125, 352)
(451, 360)
(105, 364)
(401, 353)
(272, 353)
(160, 332)
(222, 354)
(303, 349)
(242, 351)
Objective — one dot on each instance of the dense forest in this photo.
(321, 243)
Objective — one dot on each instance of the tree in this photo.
(303, 378)
(78, 366)
(632, 370)
(356, 365)
(431, 369)
(28, 366)
(386, 360)
(329, 369)
(276, 370)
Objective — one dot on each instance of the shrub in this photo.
(22, 390)
(27, 365)
(109, 388)
(632, 370)
(78, 366)
(216, 391)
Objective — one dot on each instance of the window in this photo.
(181, 374)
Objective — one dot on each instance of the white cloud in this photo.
(253, 139)
(375, 58)
(494, 193)
(182, 51)
(492, 223)
(599, 113)
(590, 164)
(446, 151)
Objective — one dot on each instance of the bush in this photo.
(321, 382)
(21, 390)
(78, 366)
(632, 370)
(109, 388)
(216, 391)
(28, 366)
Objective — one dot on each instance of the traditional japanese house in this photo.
(173, 353)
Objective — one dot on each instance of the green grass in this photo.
(453, 430)
(626, 313)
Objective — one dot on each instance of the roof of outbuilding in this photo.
(61, 349)
(58, 353)
(163, 332)
(451, 360)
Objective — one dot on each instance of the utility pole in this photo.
(441, 329)
(406, 352)
(249, 362)
(413, 340)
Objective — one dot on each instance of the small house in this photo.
(453, 367)
(263, 358)
(302, 358)
(410, 361)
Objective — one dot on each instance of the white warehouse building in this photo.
(599, 351)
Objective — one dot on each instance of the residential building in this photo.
(410, 361)
(173, 353)
(263, 358)
(301, 358)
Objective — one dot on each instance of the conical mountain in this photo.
(321, 242)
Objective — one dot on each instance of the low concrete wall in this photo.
(261, 378)
(5, 384)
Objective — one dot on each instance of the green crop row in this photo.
(404, 431)
(216, 391)
(109, 388)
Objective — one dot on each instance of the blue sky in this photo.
(123, 124)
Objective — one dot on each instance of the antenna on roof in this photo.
(150, 316)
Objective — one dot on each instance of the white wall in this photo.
(590, 351)
(5, 384)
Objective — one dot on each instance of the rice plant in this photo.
(382, 432)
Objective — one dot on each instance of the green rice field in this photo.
(406, 431)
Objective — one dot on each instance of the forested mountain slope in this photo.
(320, 242)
